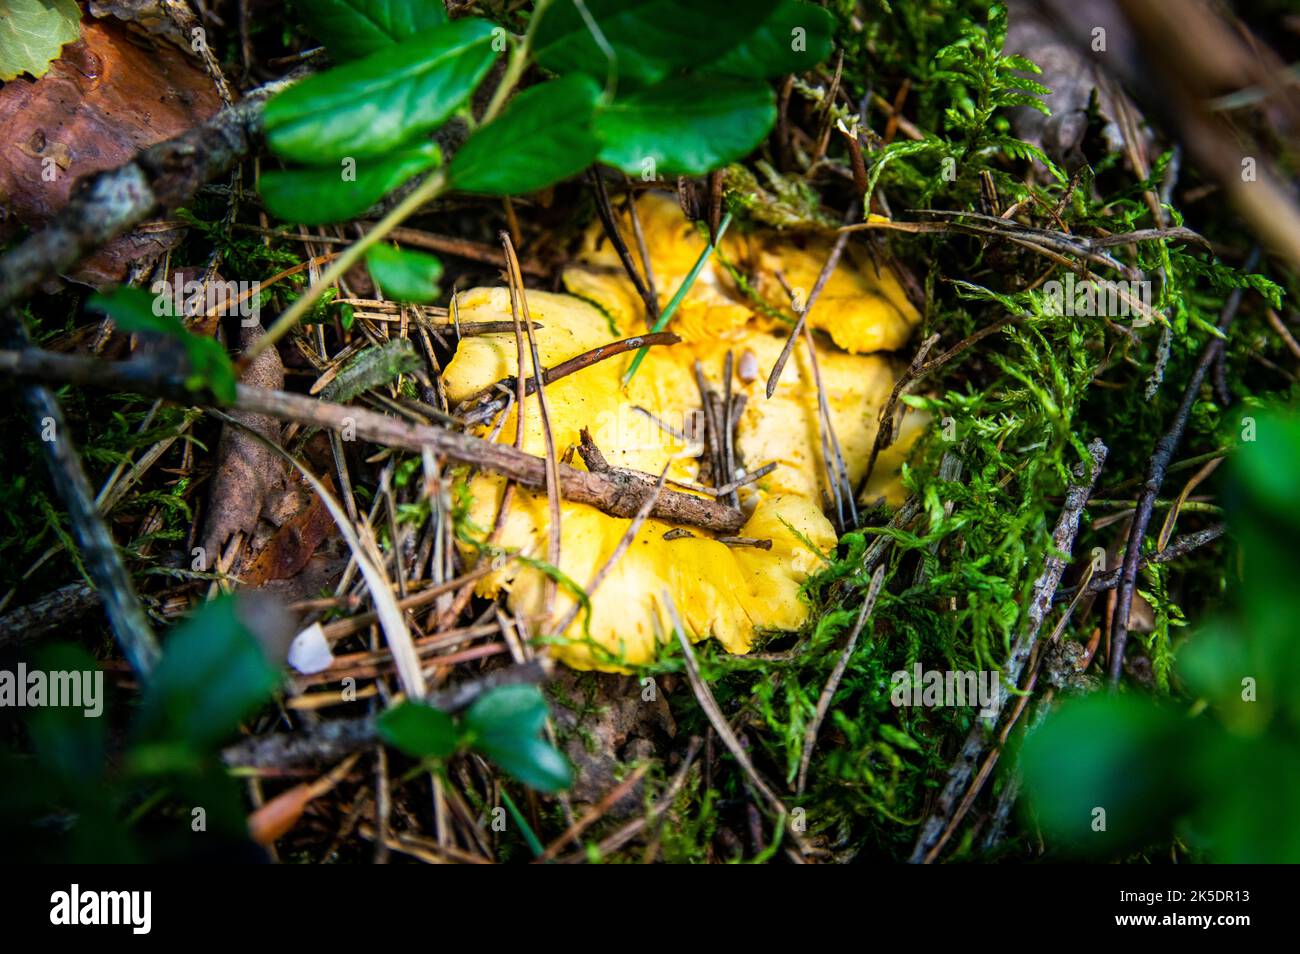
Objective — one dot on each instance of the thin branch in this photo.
(619, 492)
(103, 561)
(484, 405)
(111, 203)
(1156, 469)
(606, 212)
(1178, 547)
(832, 260)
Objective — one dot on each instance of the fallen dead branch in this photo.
(618, 492)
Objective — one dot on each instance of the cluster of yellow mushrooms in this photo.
(728, 592)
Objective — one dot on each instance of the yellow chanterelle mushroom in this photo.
(728, 592)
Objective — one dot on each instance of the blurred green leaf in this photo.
(686, 126)
(317, 196)
(419, 730)
(1250, 789)
(354, 28)
(543, 135)
(134, 310)
(505, 725)
(404, 275)
(1120, 754)
(795, 38)
(67, 740)
(212, 676)
(384, 101)
(649, 38)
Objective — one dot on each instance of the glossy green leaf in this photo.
(543, 135)
(685, 126)
(134, 310)
(355, 28)
(419, 730)
(794, 39)
(649, 38)
(404, 275)
(382, 102)
(213, 674)
(505, 725)
(315, 196)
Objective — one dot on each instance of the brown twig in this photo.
(620, 492)
(1156, 471)
(484, 405)
(832, 260)
(461, 248)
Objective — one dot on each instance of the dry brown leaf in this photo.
(247, 473)
(293, 543)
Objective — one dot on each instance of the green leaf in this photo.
(133, 310)
(419, 730)
(543, 135)
(212, 676)
(354, 28)
(404, 275)
(321, 195)
(686, 126)
(794, 39)
(505, 725)
(649, 38)
(32, 32)
(386, 100)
